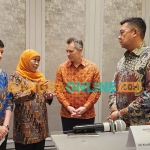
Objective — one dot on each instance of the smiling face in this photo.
(1, 52)
(34, 63)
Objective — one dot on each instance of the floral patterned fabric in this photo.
(67, 75)
(134, 106)
(30, 114)
(5, 96)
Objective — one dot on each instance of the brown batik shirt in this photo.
(134, 101)
(30, 113)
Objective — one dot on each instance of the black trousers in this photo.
(35, 146)
(3, 145)
(69, 123)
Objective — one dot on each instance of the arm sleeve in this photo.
(49, 101)
(8, 95)
(112, 98)
(20, 90)
(60, 88)
(141, 104)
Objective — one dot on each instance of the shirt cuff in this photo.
(87, 106)
(113, 108)
(10, 108)
(123, 112)
(66, 104)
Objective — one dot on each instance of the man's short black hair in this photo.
(1, 44)
(138, 23)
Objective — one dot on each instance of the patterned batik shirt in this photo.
(30, 113)
(132, 96)
(78, 84)
(5, 96)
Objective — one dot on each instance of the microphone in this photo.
(113, 126)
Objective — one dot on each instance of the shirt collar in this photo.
(83, 62)
(137, 51)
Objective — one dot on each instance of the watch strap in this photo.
(6, 125)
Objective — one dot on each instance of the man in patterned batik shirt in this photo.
(78, 76)
(131, 101)
(5, 103)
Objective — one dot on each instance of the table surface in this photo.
(104, 141)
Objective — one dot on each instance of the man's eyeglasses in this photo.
(125, 31)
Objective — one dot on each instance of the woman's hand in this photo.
(3, 132)
(34, 88)
(48, 95)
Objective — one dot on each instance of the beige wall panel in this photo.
(12, 33)
(64, 19)
(35, 29)
(114, 12)
(146, 17)
(94, 41)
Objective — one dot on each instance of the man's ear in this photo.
(136, 32)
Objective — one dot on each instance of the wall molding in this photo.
(94, 41)
(146, 17)
(35, 28)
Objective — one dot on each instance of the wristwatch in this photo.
(6, 125)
